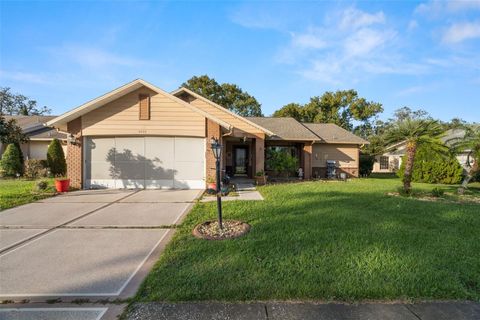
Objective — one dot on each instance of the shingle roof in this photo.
(34, 128)
(291, 129)
(285, 128)
(331, 133)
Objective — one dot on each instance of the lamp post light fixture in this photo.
(217, 153)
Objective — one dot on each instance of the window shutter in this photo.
(144, 104)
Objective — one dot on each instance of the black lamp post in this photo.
(217, 153)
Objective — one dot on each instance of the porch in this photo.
(244, 157)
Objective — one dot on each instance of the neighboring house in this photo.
(391, 160)
(139, 136)
(39, 136)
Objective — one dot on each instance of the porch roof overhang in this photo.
(62, 120)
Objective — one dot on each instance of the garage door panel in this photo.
(161, 148)
(159, 184)
(99, 149)
(158, 172)
(129, 183)
(130, 169)
(130, 148)
(101, 170)
(189, 170)
(189, 149)
(145, 162)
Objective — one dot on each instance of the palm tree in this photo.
(469, 143)
(415, 133)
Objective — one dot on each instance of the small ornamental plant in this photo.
(11, 162)
(56, 159)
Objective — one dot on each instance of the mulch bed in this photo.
(210, 230)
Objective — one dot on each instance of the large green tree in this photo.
(18, 104)
(415, 133)
(341, 107)
(227, 95)
(10, 132)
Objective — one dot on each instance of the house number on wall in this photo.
(142, 131)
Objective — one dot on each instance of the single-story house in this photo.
(391, 159)
(139, 136)
(39, 136)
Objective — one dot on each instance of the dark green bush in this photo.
(56, 158)
(366, 164)
(11, 162)
(430, 167)
(41, 185)
(437, 192)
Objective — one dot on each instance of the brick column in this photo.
(307, 161)
(212, 130)
(75, 154)
(259, 153)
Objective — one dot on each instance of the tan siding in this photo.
(225, 116)
(346, 155)
(121, 117)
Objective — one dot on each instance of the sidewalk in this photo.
(307, 311)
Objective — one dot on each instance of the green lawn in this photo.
(327, 241)
(15, 192)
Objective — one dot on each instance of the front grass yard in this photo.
(15, 192)
(327, 241)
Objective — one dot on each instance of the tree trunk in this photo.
(468, 177)
(407, 176)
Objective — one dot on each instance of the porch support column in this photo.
(259, 153)
(213, 130)
(75, 154)
(307, 160)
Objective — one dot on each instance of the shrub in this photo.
(11, 162)
(437, 192)
(433, 168)
(41, 185)
(34, 169)
(56, 158)
(366, 164)
(281, 162)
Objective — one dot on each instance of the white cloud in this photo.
(435, 8)
(366, 40)
(27, 77)
(353, 18)
(308, 41)
(92, 57)
(412, 25)
(414, 90)
(459, 32)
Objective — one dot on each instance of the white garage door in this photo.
(145, 162)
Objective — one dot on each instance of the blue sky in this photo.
(417, 54)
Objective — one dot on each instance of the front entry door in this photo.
(241, 161)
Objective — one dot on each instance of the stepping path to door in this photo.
(96, 244)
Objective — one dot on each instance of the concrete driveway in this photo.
(96, 243)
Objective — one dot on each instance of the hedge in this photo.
(430, 167)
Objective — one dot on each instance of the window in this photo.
(292, 150)
(144, 107)
(383, 163)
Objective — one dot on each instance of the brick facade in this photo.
(213, 130)
(75, 154)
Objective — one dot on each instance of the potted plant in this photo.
(62, 184)
(211, 184)
(260, 178)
